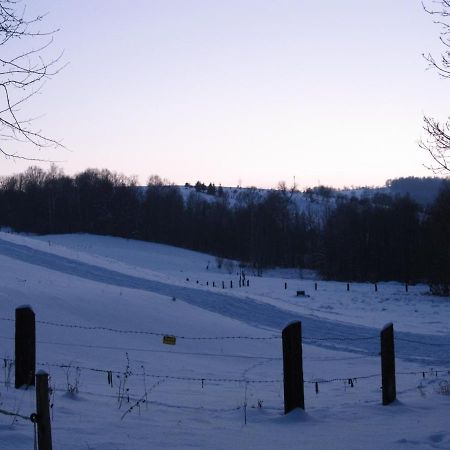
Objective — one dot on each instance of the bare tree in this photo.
(24, 68)
(437, 143)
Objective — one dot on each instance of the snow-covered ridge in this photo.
(422, 190)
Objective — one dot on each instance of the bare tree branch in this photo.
(437, 143)
(22, 75)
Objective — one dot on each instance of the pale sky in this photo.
(250, 91)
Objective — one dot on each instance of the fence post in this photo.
(293, 367)
(388, 364)
(25, 347)
(348, 286)
(42, 410)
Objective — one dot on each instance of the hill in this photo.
(103, 305)
(423, 190)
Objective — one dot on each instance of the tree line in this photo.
(374, 238)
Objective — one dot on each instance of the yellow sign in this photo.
(169, 340)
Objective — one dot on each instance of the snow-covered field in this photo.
(220, 386)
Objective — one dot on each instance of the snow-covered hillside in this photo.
(102, 304)
(316, 200)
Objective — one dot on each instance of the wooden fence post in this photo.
(25, 347)
(43, 412)
(348, 286)
(388, 364)
(293, 367)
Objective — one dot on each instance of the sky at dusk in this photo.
(249, 92)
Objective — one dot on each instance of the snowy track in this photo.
(95, 295)
(425, 349)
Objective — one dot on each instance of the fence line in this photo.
(149, 350)
(181, 337)
(133, 403)
(422, 373)
(149, 375)
(349, 380)
(211, 338)
(12, 414)
(150, 333)
(293, 379)
(218, 355)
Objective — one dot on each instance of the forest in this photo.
(379, 237)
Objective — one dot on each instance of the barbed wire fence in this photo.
(203, 380)
(126, 380)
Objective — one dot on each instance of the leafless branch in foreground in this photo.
(23, 71)
(437, 143)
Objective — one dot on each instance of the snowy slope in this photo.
(122, 295)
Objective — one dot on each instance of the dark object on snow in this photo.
(440, 289)
(25, 347)
(293, 367)
(388, 364)
(44, 431)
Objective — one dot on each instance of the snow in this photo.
(120, 297)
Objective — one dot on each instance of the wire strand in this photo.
(12, 414)
(150, 333)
